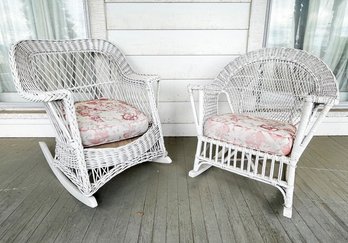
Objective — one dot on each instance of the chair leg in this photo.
(202, 168)
(163, 160)
(289, 192)
(287, 211)
(197, 167)
(90, 201)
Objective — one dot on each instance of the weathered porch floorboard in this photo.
(159, 203)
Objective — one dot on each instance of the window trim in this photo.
(342, 104)
(265, 32)
(11, 100)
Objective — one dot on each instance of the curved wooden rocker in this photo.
(63, 73)
(284, 94)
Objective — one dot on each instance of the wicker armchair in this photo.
(277, 99)
(66, 75)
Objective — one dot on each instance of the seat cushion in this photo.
(261, 134)
(105, 121)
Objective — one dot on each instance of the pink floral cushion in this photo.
(251, 132)
(105, 121)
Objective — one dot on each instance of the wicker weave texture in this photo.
(281, 84)
(60, 73)
(273, 82)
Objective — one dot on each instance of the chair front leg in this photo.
(198, 167)
(289, 192)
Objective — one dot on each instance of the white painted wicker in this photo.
(282, 84)
(60, 73)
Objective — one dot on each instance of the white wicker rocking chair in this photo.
(61, 73)
(282, 94)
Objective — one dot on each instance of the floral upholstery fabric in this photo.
(251, 132)
(105, 121)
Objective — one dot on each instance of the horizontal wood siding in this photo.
(178, 1)
(161, 16)
(176, 90)
(181, 112)
(180, 42)
(180, 67)
(184, 42)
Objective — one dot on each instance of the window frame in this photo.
(13, 101)
(343, 104)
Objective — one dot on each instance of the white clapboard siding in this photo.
(184, 42)
(180, 42)
(177, 15)
(176, 90)
(180, 67)
(178, 1)
(181, 112)
(19, 127)
(174, 130)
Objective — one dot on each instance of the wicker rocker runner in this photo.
(92, 97)
(277, 99)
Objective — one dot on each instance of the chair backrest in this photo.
(272, 82)
(81, 66)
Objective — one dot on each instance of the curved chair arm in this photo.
(204, 91)
(144, 79)
(321, 100)
(147, 99)
(310, 119)
(326, 100)
(141, 78)
(45, 96)
(69, 127)
(197, 115)
(66, 98)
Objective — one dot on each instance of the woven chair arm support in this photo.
(140, 78)
(206, 96)
(321, 100)
(140, 93)
(45, 96)
(325, 100)
(192, 87)
(208, 88)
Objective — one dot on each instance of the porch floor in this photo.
(160, 203)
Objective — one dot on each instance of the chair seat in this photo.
(261, 134)
(105, 121)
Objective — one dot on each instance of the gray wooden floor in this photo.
(160, 203)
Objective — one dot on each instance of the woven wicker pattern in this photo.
(61, 73)
(272, 83)
(279, 84)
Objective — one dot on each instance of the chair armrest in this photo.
(45, 96)
(204, 91)
(139, 92)
(208, 87)
(140, 78)
(324, 100)
(311, 117)
(192, 87)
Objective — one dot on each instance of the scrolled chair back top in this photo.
(75, 65)
(273, 82)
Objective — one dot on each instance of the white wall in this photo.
(183, 41)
